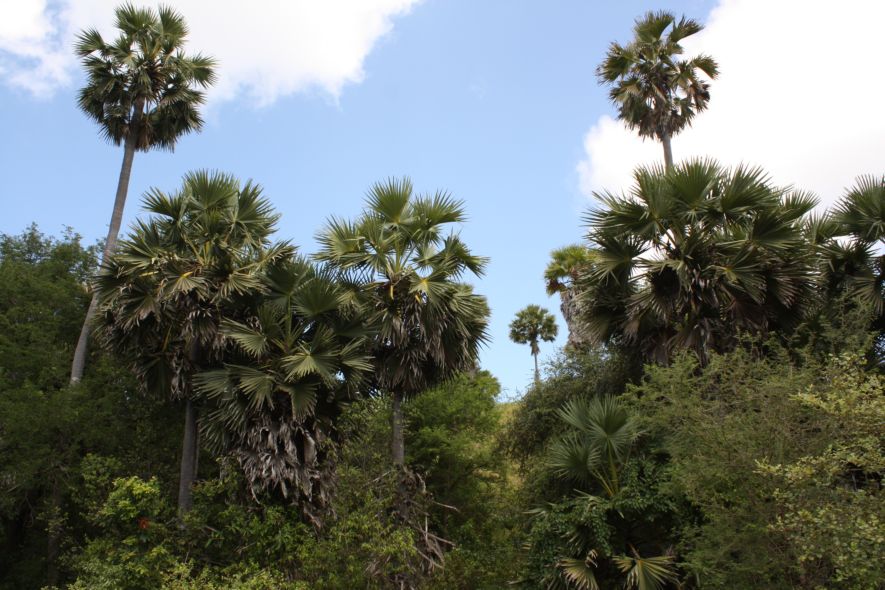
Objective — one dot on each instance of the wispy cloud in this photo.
(266, 49)
(800, 93)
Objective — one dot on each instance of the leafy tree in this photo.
(655, 90)
(407, 272)
(143, 91)
(716, 426)
(690, 257)
(47, 427)
(831, 508)
(531, 324)
(197, 260)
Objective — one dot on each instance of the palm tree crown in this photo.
(691, 257)
(655, 91)
(165, 290)
(407, 273)
(143, 83)
(431, 324)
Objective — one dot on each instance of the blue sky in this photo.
(494, 101)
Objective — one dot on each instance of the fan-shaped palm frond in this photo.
(691, 256)
(646, 573)
(597, 443)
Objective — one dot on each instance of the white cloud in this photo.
(799, 93)
(266, 48)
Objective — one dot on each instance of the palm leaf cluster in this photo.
(143, 82)
(657, 91)
(201, 254)
(408, 271)
(851, 238)
(599, 436)
(299, 352)
(691, 257)
(561, 276)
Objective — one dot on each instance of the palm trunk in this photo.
(188, 473)
(79, 363)
(537, 372)
(398, 443)
(668, 151)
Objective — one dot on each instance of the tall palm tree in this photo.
(298, 353)
(198, 260)
(143, 91)
(408, 273)
(692, 257)
(531, 325)
(561, 276)
(655, 90)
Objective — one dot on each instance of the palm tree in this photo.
(531, 325)
(599, 439)
(692, 257)
(561, 276)
(655, 91)
(198, 260)
(143, 91)
(408, 273)
(860, 216)
(297, 355)
(600, 436)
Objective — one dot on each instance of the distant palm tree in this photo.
(144, 93)
(561, 276)
(165, 292)
(655, 91)
(690, 258)
(408, 274)
(531, 325)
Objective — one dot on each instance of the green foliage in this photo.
(759, 459)
(451, 435)
(831, 504)
(47, 428)
(571, 375)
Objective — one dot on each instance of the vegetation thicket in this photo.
(716, 421)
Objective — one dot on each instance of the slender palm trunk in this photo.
(537, 372)
(398, 443)
(188, 473)
(79, 363)
(668, 151)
